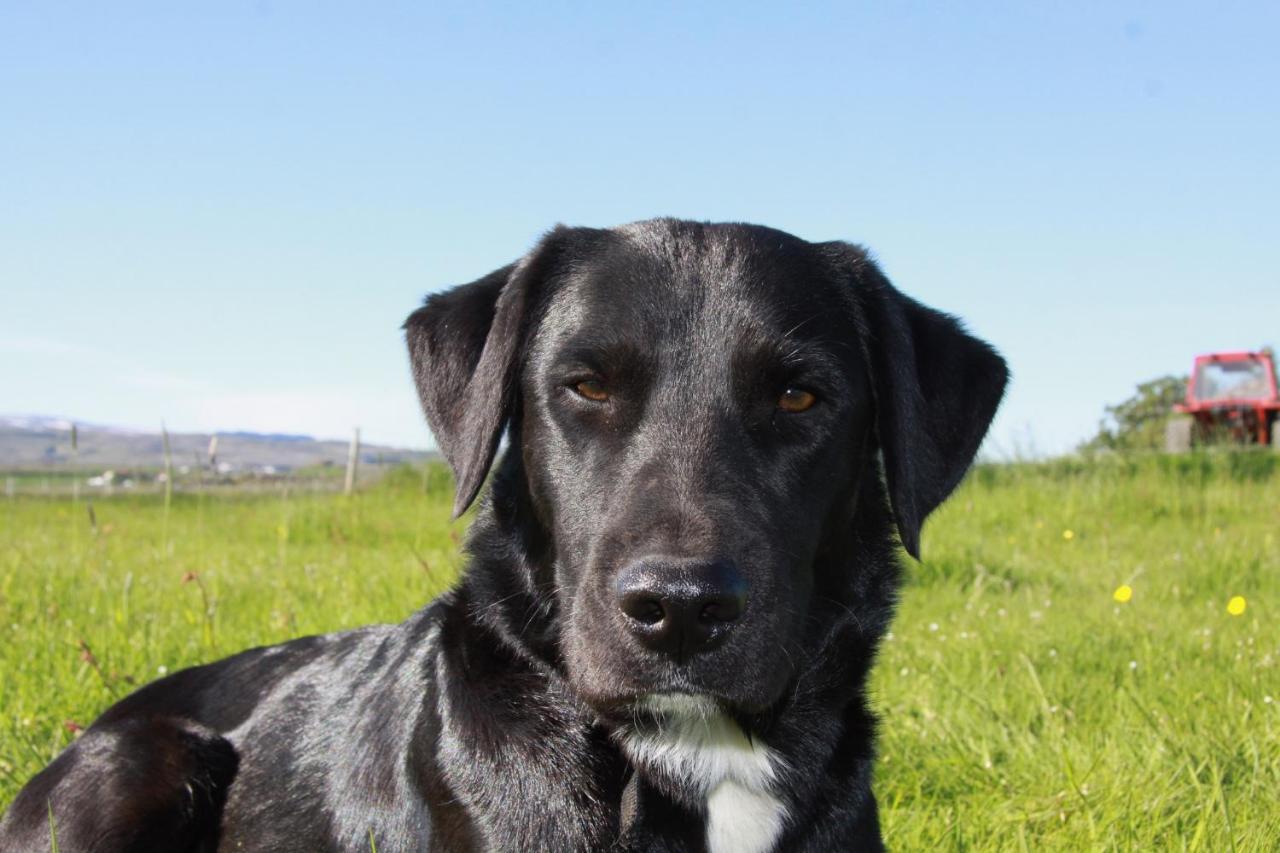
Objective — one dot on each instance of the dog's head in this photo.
(697, 412)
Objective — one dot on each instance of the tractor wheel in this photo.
(1177, 435)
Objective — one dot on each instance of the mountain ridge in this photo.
(44, 442)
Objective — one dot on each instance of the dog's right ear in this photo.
(935, 388)
(464, 346)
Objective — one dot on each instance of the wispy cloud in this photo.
(41, 346)
(122, 370)
(108, 387)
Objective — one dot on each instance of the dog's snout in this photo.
(681, 607)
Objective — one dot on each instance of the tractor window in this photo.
(1232, 380)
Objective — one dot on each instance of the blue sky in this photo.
(218, 214)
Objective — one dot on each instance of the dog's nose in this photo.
(681, 607)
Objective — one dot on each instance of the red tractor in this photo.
(1231, 396)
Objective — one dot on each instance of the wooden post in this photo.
(168, 480)
(168, 465)
(353, 459)
(213, 453)
(75, 464)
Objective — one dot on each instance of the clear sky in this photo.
(218, 214)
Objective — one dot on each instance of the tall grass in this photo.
(86, 614)
(1023, 707)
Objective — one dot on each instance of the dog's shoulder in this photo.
(155, 782)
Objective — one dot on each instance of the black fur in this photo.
(490, 720)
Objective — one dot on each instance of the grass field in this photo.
(1024, 706)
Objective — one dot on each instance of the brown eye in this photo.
(796, 400)
(592, 390)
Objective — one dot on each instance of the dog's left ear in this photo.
(464, 346)
(936, 390)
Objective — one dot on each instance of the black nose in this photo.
(681, 607)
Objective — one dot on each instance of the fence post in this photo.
(168, 481)
(75, 464)
(168, 466)
(353, 457)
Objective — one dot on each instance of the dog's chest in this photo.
(742, 819)
(702, 751)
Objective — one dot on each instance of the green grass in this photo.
(1023, 708)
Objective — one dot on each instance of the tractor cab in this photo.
(1231, 396)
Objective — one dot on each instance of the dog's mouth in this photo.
(656, 708)
(618, 695)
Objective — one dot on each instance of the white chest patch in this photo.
(693, 744)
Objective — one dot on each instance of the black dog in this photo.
(678, 581)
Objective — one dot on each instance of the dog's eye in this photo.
(591, 389)
(796, 400)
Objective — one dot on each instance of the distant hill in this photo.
(36, 442)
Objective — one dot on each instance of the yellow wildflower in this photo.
(1123, 593)
(1068, 535)
(1236, 605)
